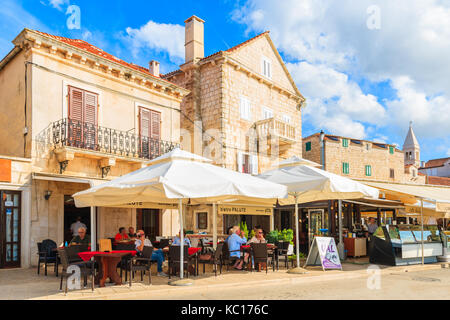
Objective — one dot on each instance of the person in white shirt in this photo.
(157, 255)
(77, 225)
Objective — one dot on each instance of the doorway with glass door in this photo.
(10, 229)
(317, 220)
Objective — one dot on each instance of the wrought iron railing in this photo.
(88, 136)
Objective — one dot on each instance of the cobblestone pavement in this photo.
(351, 283)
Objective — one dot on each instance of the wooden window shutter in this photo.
(90, 108)
(254, 164)
(76, 103)
(145, 122)
(156, 125)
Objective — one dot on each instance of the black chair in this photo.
(175, 259)
(124, 262)
(86, 268)
(142, 263)
(282, 252)
(47, 255)
(226, 257)
(72, 252)
(215, 258)
(259, 254)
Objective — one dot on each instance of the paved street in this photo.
(412, 282)
(429, 284)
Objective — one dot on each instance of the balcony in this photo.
(88, 140)
(282, 131)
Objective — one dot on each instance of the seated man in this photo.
(235, 240)
(81, 238)
(122, 236)
(177, 240)
(131, 233)
(157, 255)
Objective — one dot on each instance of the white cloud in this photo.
(160, 37)
(334, 102)
(328, 40)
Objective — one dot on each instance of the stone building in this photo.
(244, 109)
(361, 159)
(74, 116)
(437, 168)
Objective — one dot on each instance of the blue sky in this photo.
(365, 71)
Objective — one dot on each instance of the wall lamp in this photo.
(47, 194)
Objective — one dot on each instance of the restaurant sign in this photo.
(442, 207)
(245, 210)
(148, 205)
(324, 253)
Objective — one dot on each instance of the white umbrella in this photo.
(308, 184)
(179, 177)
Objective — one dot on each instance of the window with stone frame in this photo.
(266, 67)
(245, 109)
(202, 220)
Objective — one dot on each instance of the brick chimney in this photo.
(194, 46)
(154, 68)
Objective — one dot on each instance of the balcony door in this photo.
(83, 119)
(10, 229)
(149, 133)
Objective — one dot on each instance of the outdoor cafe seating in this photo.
(47, 255)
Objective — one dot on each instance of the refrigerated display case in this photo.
(402, 245)
(445, 236)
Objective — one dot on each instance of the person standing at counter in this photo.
(372, 226)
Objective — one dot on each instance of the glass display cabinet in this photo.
(402, 244)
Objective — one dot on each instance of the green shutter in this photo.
(344, 142)
(308, 146)
(391, 150)
(345, 168)
(368, 170)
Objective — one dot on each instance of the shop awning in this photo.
(65, 178)
(408, 193)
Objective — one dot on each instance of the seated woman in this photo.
(157, 255)
(235, 240)
(177, 240)
(257, 238)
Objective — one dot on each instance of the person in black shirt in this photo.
(81, 238)
(131, 233)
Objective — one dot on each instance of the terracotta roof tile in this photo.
(436, 162)
(444, 181)
(83, 45)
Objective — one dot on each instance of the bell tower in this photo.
(411, 148)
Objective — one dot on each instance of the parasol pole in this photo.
(298, 269)
(214, 226)
(421, 218)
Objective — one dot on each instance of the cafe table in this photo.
(107, 264)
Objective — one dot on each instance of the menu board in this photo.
(324, 252)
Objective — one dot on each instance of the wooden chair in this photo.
(105, 245)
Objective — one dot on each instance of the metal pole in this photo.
(421, 217)
(93, 229)
(309, 230)
(214, 226)
(180, 209)
(297, 248)
(341, 239)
